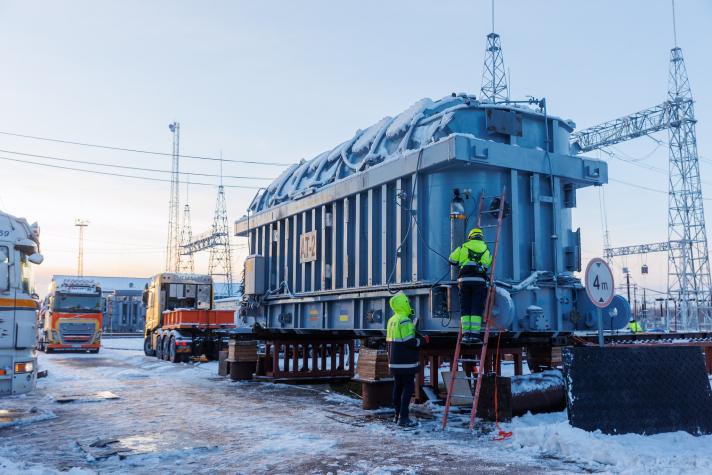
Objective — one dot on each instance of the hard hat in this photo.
(475, 233)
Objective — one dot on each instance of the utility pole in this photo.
(173, 241)
(81, 224)
(494, 78)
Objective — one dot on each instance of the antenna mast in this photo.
(494, 78)
(173, 243)
(81, 224)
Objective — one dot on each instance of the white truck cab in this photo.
(19, 249)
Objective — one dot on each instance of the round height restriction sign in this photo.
(599, 282)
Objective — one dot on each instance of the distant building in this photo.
(121, 302)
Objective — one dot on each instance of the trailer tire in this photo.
(159, 348)
(147, 350)
(173, 355)
(166, 348)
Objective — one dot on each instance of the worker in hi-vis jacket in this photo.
(403, 356)
(474, 259)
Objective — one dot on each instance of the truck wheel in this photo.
(173, 355)
(147, 350)
(159, 348)
(166, 348)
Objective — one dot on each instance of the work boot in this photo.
(406, 423)
(470, 339)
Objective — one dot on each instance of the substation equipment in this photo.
(334, 237)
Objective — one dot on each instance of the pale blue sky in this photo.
(278, 81)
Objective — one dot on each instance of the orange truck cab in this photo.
(71, 316)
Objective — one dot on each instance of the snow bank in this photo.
(551, 435)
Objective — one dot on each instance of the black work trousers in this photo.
(472, 298)
(403, 389)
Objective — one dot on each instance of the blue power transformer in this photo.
(332, 238)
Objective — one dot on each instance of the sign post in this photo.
(599, 288)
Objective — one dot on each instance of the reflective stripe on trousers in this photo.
(403, 365)
(471, 323)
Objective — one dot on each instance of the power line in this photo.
(135, 150)
(95, 172)
(126, 167)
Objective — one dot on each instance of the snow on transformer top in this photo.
(422, 124)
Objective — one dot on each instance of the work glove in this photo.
(426, 339)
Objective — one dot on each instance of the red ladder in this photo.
(489, 305)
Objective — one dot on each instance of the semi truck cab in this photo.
(19, 249)
(71, 316)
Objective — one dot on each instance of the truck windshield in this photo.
(77, 303)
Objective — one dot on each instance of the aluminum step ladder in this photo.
(499, 210)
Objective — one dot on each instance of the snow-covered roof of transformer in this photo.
(423, 123)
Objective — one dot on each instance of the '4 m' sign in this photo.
(599, 282)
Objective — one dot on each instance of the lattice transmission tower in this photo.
(688, 263)
(186, 262)
(217, 240)
(173, 240)
(494, 79)
(220, 260)
(688, 275)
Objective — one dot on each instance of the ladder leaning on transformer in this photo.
(489, 305)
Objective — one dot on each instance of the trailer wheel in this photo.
(173, 355)
(159, 348)
(166, 348)
(147, 350)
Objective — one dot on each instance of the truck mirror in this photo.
(4, 276)
(36, 258)
(144, 298)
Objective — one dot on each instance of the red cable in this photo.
(502, 434)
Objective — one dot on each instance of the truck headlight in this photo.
(25, 367)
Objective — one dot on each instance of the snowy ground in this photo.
(184, 419)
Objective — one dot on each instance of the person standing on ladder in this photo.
(474, 259)
(402, 356)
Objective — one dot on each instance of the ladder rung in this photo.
(461, 360)
(461, 395)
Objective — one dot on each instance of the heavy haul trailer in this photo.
(180, 319)
(19, 248)
(332, 238)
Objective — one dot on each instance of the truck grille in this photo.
(75, 332)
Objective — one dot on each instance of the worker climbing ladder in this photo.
(498, 208)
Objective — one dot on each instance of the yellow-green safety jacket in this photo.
(474, 259)
(635, 327)
(400, 335)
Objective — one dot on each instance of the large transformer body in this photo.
(333, 238)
